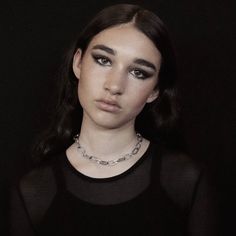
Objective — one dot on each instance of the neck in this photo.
(107, 143)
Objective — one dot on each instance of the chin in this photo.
(108, 124)
(111, 122)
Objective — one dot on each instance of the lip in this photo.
(108, 105)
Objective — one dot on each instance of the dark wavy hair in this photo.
(158, 119)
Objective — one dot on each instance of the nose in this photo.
(115, 82)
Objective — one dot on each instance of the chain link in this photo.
(110, 162)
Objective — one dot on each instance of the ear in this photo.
(77, 63)
(153, 96)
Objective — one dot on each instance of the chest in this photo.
(148, 213)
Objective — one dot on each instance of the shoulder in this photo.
(179, 177)
(38, 178)
(180, 165)
(38, 188)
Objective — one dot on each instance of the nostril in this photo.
(113, 90)
(114, 86)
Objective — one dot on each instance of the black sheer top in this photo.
(163, 193)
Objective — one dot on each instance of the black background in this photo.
(35, 36)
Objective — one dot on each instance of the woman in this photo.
(120, 176)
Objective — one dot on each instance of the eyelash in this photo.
(144, 74)
(98, 59)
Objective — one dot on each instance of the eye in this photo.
(140, 74)
(102, 60)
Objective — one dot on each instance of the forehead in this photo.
(128, 40)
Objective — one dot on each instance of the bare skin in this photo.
(117, 75)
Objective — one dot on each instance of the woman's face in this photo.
(117, 75)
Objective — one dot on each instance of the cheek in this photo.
(137, 103)
(88, 86)
(91, 78)
(140, 94)
(85, 83)
(83, 88)
(140, 105)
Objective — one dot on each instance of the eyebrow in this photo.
(105, 48)
(143, 62)
(138, 61)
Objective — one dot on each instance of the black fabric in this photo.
(163, 193)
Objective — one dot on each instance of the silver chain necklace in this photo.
(110, 162)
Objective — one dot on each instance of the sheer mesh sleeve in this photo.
(188, 185)
(203, 217)
(184, 182)
(19, 223)
(29, 201)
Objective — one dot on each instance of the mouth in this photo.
(108, 105)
